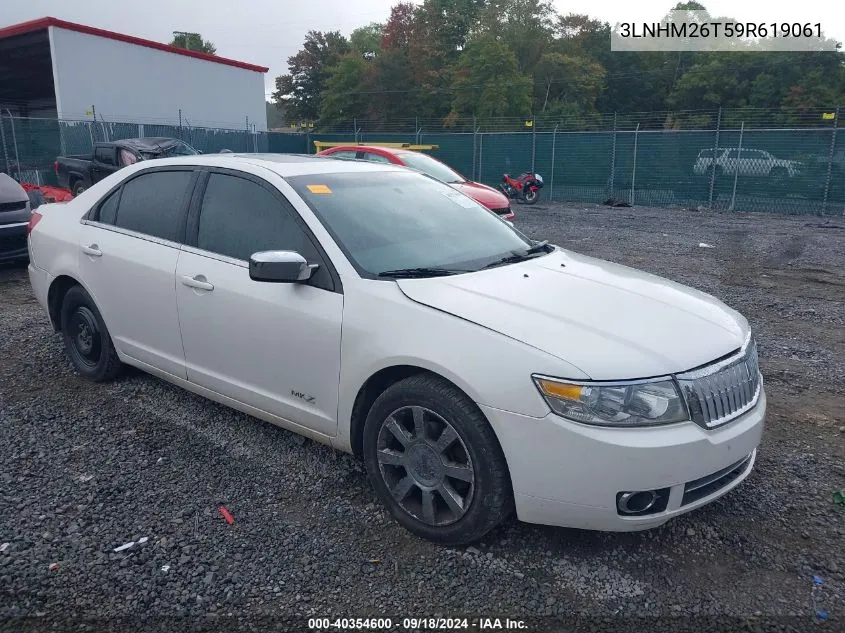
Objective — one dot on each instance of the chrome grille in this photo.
(718, 393)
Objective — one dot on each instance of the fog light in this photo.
(636, 502)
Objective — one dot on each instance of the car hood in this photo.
(489, 197)
(610, 321)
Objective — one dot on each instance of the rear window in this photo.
(152, 204)
(104, 155)
(430, 166)
(108, 208)
(706, 153)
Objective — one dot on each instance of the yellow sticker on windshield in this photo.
(319, 189)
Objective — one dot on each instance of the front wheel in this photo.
(531, 196)
(86, 337)
(435, 462)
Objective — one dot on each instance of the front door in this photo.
(275, 347)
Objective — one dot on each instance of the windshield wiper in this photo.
(411, 273)
(528, 253)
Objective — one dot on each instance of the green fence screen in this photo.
(790, 170)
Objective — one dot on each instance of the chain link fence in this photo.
(729, 160)
(30, 145)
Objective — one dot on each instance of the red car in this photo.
(491, 198)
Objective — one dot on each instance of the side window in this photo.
(343, 154)
(104, 155)
(108, 208)
(734, 153)
(153, 204)
(376, 158)
(240, 217)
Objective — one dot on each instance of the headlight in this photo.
(615, 404)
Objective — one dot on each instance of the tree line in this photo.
(452, 60)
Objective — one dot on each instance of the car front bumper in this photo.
(13, 241)
(569, 474)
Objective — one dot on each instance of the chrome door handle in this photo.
(197, 281)
(93, 250)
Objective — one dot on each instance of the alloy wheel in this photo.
(425, 465)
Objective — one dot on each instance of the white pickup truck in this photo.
(746, 162)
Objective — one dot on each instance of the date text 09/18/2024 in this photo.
(417, 624)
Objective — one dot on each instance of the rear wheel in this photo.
(531, 196)
(86, 337)
(78, 188)
(435, 462)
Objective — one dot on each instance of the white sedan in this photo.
(369, 307)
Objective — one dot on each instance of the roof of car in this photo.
(283, 164)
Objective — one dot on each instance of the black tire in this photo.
(530, 197)
(86, 337)
(78, 188)
(490, 493)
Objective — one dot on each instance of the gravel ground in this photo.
(86, 468)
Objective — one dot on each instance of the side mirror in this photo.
(285, 267)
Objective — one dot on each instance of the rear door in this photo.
(275, 347)
(129, 251)
(105, 162)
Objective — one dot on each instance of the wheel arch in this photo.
(74, 177)
(372, 388)
(56, 294)
(376, 384)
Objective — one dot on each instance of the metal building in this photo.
(56, 69)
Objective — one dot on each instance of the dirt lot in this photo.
(85, 468)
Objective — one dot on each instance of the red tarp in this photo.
(51, 194)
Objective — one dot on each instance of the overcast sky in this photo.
(267, 32)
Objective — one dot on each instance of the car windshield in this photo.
(177, 149)
(430, 166)
(387, 221)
